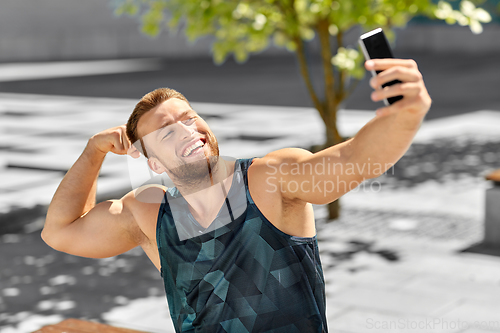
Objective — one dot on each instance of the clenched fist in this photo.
(114, 140)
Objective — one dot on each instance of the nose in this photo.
(185, 131)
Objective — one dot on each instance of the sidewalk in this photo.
(383, 279)
(42, 136)
(457, 83)
(431, 288)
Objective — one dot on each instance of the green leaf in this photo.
(151, 22)
(245, 27)
(128, 7)
(240, 55)
(291, 46)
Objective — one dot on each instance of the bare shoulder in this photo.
(265, 182)
(277, 161)
(144, 204)
(269, 170)
(151, 193)
(286, 155)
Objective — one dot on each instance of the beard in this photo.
(193, 174)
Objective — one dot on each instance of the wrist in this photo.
(411, 120)
(93, 149)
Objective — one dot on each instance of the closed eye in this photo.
(166, 135)
(186, 122)
(189, 121)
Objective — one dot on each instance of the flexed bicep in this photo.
(108, 229)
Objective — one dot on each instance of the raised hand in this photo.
(114, 140)
(415, 100)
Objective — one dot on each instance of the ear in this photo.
(155, 165)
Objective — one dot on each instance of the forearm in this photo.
(382, 142)
(75, 195)
(385, 139)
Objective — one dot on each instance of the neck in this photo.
(213, 174)
(206, 198)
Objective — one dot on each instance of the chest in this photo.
(292, 218)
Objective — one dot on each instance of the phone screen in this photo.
(377, 47)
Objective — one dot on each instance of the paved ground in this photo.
(393, 263)
(457, 83)
(42, 136)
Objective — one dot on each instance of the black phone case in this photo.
(375, 46)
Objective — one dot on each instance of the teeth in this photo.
(191, 148)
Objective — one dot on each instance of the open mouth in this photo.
(195, 148)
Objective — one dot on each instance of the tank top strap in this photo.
(244, 165)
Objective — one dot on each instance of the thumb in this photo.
(133, 152)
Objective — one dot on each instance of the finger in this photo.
(123, 139)
(395, 73)
(133, 152)
(383, 64)
(119, 142)
(126, 142)
(407, 89)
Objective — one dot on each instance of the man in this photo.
(228, 269)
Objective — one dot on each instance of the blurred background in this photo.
(405, 248)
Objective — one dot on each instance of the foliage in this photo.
(244, 27)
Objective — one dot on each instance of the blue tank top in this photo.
(243, 276)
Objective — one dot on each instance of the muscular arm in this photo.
(385, 139)
(75, 195)
(323, 177)
(74, 223)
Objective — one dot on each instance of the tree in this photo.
(248, 26)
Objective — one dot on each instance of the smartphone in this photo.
(374, 45)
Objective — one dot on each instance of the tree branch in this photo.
(340, 86)
(304, 71)
(331, 97)
(326, 57)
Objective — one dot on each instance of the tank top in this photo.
(243, 276)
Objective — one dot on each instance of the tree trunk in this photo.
(332, 138)
(333, 210)
(329, 106)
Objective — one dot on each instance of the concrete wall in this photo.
(75, 29)
(445, 38)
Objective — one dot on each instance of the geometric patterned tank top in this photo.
(242, 276)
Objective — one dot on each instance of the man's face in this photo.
(178, 141)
